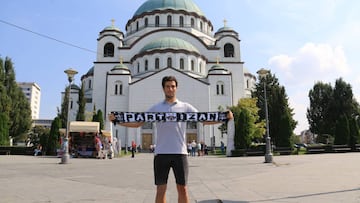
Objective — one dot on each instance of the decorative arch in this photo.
(118, 88)
(109, 50)
(169, 62)
(182, 64)
(169, 21)
(157, 63)
(157, 21)
(220, 90)
(229, 50)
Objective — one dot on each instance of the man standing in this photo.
(171, 147)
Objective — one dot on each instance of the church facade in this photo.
(166, 37)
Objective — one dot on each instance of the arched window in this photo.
(220, 88)
(181, 64)
(228, 50)
(192, 21)
(181, 21)
(146, 22)
(138, 67)
(157, 63)
(118, 88)
(157, 21)
(169, 62)
(169, 21)
(192, 65)
(247, 84)
(109, 50)
(89, 84)
(137, 26)
(146, 65)
(200, 67)
(201, 26)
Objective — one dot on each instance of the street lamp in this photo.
(268, 155)
(65, 157)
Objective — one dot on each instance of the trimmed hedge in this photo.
(16, 150)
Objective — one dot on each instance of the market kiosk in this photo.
(82, 138)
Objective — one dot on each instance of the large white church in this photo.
(166, 37)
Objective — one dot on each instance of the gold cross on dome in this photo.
(121, 60)
(217, 59)
(225, 21)
(113, 22)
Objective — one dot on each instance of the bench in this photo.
(5, 152)
(357, 148)
(254, 152)
(283, 150)
(315, 149)
(341, 148)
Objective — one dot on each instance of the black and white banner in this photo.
(129, 117)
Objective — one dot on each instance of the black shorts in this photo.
(178, 163)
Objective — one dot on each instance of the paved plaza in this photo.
(297, 178)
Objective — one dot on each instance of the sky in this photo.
(301, 42)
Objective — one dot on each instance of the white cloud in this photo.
(298, 73)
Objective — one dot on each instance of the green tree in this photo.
(243, 128)
(20, 112)
(54, 136)
(332, 111)
(4, 129)
(342, 130)
(354, 132)
(98, 117)
(247, 127)
(80, 116)
(318, 114)
(62, 114)
(4, 108)
(278, 108)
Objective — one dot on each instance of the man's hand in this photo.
(230, 115)
(111, 117)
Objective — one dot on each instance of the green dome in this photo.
(169, 43)
(90, 72)
(218, 69)
(120, 68)
(223, 29)
(111, 28)
(185, 5)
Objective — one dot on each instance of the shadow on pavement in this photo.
(220, 201)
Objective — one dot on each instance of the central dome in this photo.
(169, 43)
(185, 5)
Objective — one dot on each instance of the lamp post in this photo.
(65, 157)
(268, 155)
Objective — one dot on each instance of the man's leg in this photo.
(160, 194)
(161, 173)
(183, 194)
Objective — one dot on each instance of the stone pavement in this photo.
(297, 178)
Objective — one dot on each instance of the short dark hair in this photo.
(167, 79)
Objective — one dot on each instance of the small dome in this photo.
(223, 29)
(111, 28)
(75, 87)
(218, 69)
(90, 72)
(120, 69)
(185, 5)
(169, 43)
(226, 30)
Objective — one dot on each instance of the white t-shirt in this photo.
(171, 136)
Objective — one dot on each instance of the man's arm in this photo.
(132, 125)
